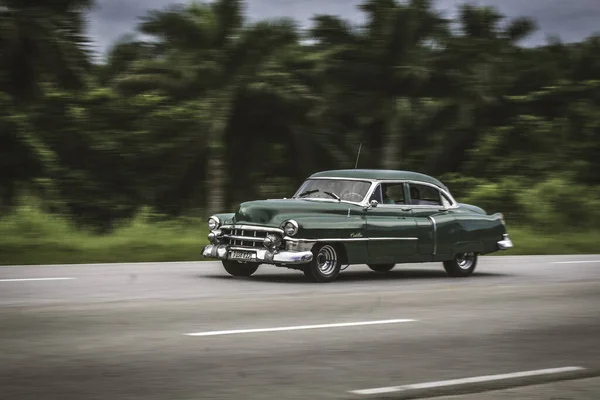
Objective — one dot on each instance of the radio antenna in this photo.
(357, 156)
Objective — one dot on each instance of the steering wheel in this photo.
(353, 194)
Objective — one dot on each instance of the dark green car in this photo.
(376, 217)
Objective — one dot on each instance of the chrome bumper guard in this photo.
(263, 256)
(505, 243)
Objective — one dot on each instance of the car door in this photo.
(391, 226)
(437, 228)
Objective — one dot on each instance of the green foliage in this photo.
(530, 241)
(550, 204)
(42, 39)
(32, 236)
(212, 110)
(558, 202)
(502, 196)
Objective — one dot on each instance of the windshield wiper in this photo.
(306, 193)
(335, 196)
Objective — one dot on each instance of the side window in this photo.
(424, 195)
(393, 193)
(376, 194)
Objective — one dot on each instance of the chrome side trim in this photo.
(434, 235)
(287, 238)
(329, 240)
(393, 238)
(291, 239)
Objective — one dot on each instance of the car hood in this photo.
(275, 212)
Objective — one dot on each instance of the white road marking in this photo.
(35, 279)
(477, 379)
(293, 328)
(576, 262)
(114, 264)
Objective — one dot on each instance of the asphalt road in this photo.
(121, 331)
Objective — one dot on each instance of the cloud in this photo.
(570, 20)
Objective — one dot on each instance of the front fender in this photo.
(225, 218)
(321, 226)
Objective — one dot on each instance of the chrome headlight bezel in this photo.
(214, 236)
(214, 223)
(273, 241)
(290, 227)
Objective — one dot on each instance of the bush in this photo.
(561, 204)
(554, 203)
(501, 197)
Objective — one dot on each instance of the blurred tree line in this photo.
(209, 109)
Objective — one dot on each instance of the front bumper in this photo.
(505, 243)
(263, 256)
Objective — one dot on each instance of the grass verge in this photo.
(30, 236)
(531, 242)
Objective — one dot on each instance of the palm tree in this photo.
(385, 64)
(204, 52)
(475, 70)
(42, 40)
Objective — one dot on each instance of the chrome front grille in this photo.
(246, 236)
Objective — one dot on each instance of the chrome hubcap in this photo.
(465, 260)
(327, 260)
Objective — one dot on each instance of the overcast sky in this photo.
(569, 19)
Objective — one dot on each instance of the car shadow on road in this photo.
(360, 276)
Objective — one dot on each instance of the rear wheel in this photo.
(462, 265)
(325, 265)
(381, 267)
(235, 268)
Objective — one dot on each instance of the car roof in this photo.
(379, 174)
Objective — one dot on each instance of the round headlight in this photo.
(213, 223)
(212, 237)
(290, 228)
(272, 242)
(268, 242)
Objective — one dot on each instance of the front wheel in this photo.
(462, 265)
(381, 267)
(325, 265)
(235, 268)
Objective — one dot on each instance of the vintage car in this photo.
(356, 216)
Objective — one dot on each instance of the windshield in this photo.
(334, 189)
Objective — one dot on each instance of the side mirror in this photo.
(372, 204)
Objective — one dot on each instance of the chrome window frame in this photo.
(361, 203)
(381, 182)
(371, 190)
(453, 205)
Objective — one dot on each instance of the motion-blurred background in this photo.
(119, 149)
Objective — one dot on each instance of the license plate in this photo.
(242, 255)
